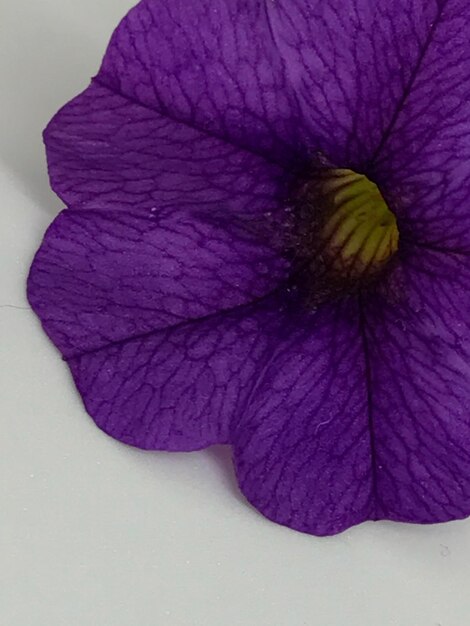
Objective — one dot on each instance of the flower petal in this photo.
(291, 400)
(105, 152)
(179, 388)
(418, 338)
(285, 78)
(424, 162)
(350, 63)
(302, 445)
(213, 65)
(105, 276)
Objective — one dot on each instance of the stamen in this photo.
(343, 234)
(360, 233)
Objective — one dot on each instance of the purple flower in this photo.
(226, 271)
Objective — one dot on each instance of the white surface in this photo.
(96, 533)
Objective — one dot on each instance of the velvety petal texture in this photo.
(287, 390)
(287, 78)
(179, 388)
(349, 64)
(213, 65)
(102, 277)
(418, 351)
(302, 445)
(424, 160)
(106, 152)
(168, 284)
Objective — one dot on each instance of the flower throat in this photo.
(345, 234)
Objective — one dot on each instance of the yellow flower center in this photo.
(360, 233)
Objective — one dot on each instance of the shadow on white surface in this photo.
(221, 457)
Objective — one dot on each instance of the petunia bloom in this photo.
(267, 245)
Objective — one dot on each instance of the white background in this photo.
(97, 533)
